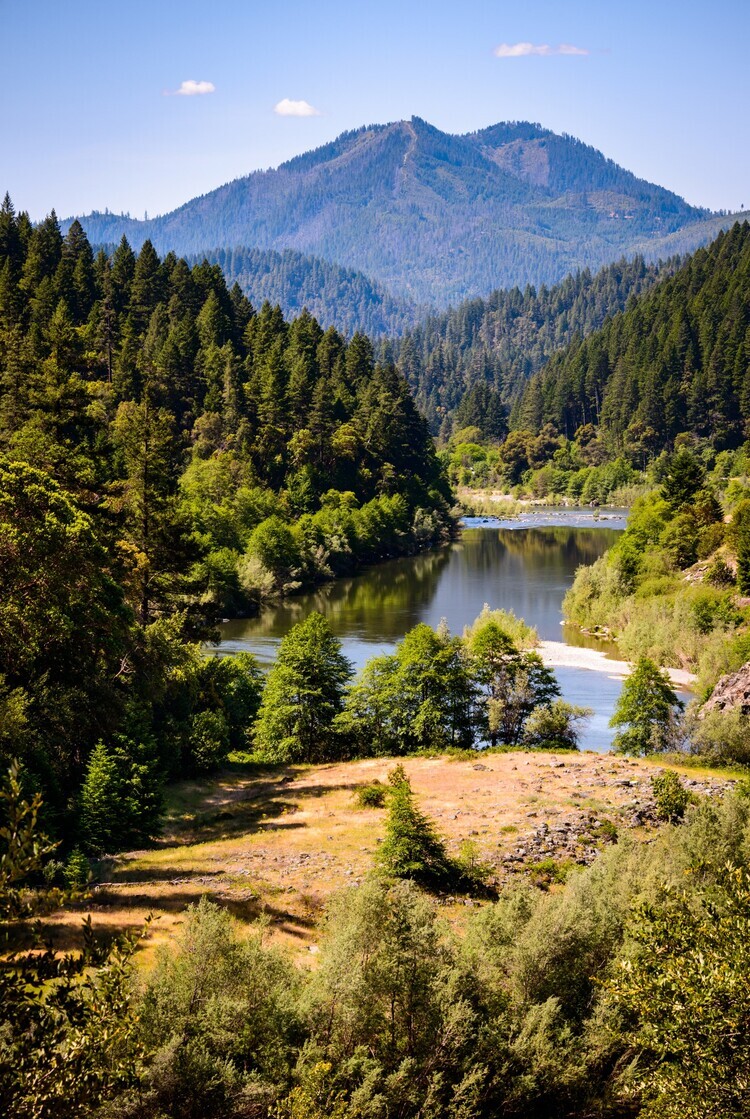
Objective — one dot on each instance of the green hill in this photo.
(436, 218)
(677, 360)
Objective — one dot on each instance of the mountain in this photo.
(502, 340)
(436, 218)
(336, 296)
(677, 360)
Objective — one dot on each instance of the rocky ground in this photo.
(281, 842)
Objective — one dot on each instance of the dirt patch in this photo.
(278, 843)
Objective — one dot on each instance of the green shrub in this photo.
(607, 830)
(372, 795)
(723, 737)
(710, 537)
(208, 742)
(77, 871)
(719, 574)
(671, 796)
(549, 872)
(470, 863)
(555, 726)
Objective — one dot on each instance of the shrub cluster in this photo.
(621, 990)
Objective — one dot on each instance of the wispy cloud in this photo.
(191, 88)
(524, 50)
(287, 108)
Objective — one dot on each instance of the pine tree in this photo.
(412, 848)
(101, 808)
(741, 534)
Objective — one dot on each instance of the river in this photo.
(525, 565)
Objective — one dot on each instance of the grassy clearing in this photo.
(276, 843)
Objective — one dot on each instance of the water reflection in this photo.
(525, 566)
(526, 570)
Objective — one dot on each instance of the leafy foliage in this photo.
(646, 708)
(671, 796)
(439, 692)
(687, 990)
(67, 1042)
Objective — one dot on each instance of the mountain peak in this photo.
(435, 216)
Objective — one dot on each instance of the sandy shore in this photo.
(556, 654)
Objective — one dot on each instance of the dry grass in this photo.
(280, 842)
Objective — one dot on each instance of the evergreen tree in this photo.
(412, 847)
(684, 477)
(741, 536)
(121, 801)
(100, 803)
(303, 695)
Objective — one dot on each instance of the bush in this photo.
(372, 795)
(671, 796)
(555, 726)
(723, 737)
(218, 1017)
(208, 742)
(719, 574)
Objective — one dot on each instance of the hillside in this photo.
(339, 297)
(503, 339)
(435, 217)
(282, 841)
(677, 360)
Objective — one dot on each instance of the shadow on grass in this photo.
(259, 806)
(67, 936)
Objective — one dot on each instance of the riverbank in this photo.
(280, 841)
(502, 503)
(556, 654)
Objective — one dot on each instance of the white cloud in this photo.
(287, 108)
(524, 50)
(191, 88)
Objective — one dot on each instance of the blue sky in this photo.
(90, 117)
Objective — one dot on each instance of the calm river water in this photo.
(525, 565)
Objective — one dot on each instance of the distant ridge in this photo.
(336, 296)
(436, 218)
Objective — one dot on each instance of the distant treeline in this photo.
(336, 296)
(502, 340)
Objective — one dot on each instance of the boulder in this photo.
(732, 690)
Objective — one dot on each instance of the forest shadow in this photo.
(66, 936)
(260, 809)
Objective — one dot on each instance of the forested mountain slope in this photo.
(502, 340)
(435, 217)
(678, 360)
(335, 296)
